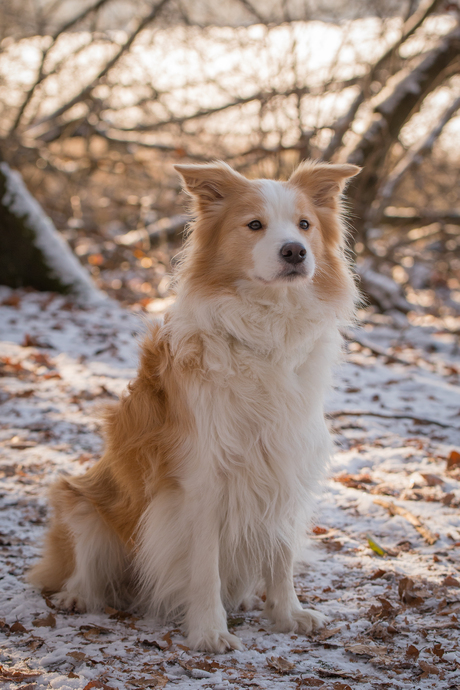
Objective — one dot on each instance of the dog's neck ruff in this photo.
(275, 322)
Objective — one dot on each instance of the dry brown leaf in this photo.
(437, 650)
(453, 459)
(412, 651)
(7, 674)
(78, 656)
(280, 664)
(428, 669)
(48, 622)
(319, 530)
(432, 479)
(327, 633)
(450, 581)
(17, 627)
(406, 593)
(98, 684)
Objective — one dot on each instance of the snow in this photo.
(59, 362)
(54, 248)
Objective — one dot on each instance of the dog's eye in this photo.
(304, 224)
(255, 225)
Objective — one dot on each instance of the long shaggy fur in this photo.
(214, 455)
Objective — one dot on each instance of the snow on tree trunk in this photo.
(32, 252)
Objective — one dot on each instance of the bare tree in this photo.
(180, 83)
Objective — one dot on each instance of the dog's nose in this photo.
(293, 252)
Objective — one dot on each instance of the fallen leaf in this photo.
(379, 550)
(18, 628)
(412, 651)
(378, 574)
(326, 633)
(48, 622)
(167, 639)
(78, 656)
(98, 684)
(406, 593)
(280, 664)
(428, 669)
(450, 581)
(319, 530)
(157, 680)
(437, 650)
(432, 479)
(12, 301)
(7, 674)
(453, 459)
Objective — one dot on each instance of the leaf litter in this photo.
(383, 561)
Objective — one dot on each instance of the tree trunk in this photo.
(388, 119)
(32, 252)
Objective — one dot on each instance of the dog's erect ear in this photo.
(323, 182)
(211, 182)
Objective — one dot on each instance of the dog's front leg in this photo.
(282, 605)
(206, 618)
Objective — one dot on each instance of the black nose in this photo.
(293, 252)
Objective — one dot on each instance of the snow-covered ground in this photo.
(395, 477)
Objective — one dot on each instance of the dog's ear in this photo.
(211, 182)
(323, 182)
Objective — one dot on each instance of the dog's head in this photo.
(274, 233)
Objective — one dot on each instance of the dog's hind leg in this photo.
(282, 605)
(84, 561)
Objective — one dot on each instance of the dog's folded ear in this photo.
(211, 182)
(323, 182)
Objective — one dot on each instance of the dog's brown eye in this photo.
(255, 225)
(304, 224)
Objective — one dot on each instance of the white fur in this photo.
(252, 472)
(101, 563)
(280, 201)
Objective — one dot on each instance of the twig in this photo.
(380, 351)
(41, 75)
(393, 415)
(394, 509)
(123, 49)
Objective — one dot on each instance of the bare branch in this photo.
(255, 13)
(392, 113)
(343, 123)
(407, 217)
(412, 158)
(123, 49)
(41, 75)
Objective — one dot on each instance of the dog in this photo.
(214, 455)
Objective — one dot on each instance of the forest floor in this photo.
(384, 559)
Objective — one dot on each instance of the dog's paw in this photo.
(301, 620)
(217, 641)
(69, 601)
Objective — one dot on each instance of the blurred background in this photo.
(99, 98)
